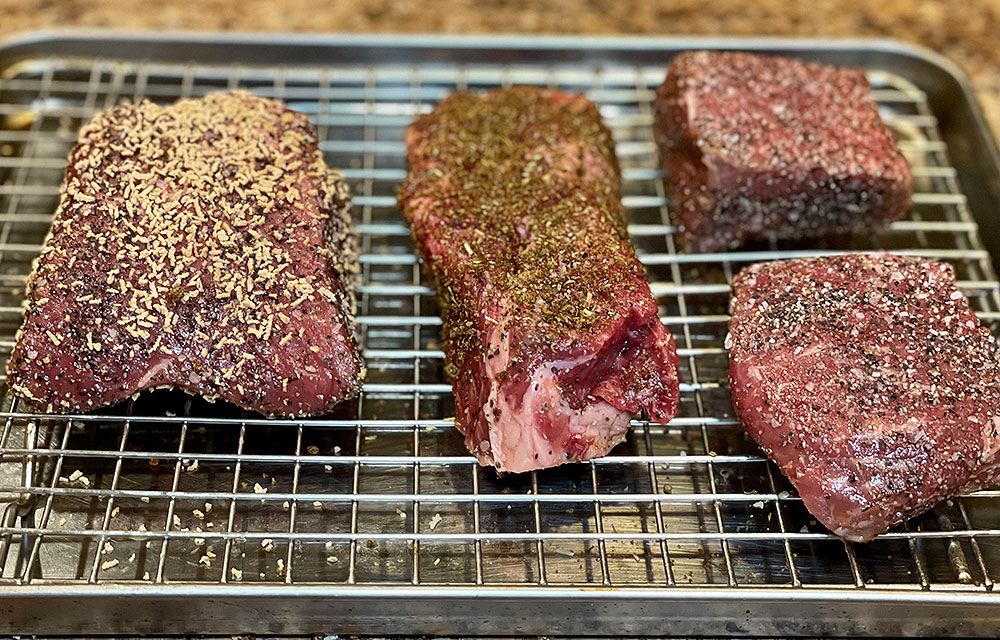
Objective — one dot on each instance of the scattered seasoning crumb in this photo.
(144, 499)
(115, 512)
(337, 449)
(267, 545)
(62, 521)
(208, 507)
(109, 564)
(199, 541)
(319, 505)
(192, 466)
(285, 505)
(400, 513)
(437, 561)
(435, 520)
(281, 567)
(131, 558)
(108, 547)
(205, 561)
(328, 468)
(236, 574)
(312, 450)
(198, 513)
(176, 520)
(145, 575)
(257, 488)
(332, 559)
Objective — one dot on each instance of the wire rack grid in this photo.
(168, 489)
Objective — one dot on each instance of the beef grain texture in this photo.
(203, 245)
(869, 380)
(551, 335)
(755, 147)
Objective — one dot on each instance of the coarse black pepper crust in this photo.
(757, 148)
(203, 245)
(868, 379)
(551, 335)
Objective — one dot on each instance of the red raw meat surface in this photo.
(203, 245)
(551, 335)
(869, 380)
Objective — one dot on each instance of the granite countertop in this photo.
(968, 33)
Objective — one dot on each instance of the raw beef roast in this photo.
(203, 245)
(551, 336)
(755, 147)
(871, 383)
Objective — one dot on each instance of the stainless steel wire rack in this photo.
(171, 514)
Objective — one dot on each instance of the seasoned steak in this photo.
(203, 245)
(871, 383)
(551, 335)
(755, 147)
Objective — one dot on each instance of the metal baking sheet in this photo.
(168, 514)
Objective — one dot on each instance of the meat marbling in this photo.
(203, 245)
(551, 335)
(869, 380)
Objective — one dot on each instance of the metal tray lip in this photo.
(719, 593)
(431, 40)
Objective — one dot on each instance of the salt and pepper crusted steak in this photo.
(203, 245)
(551, 335)
(755, 148)
(871, 383)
